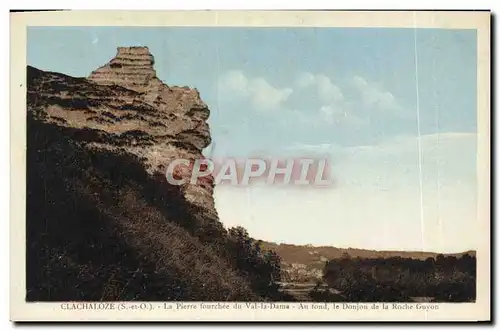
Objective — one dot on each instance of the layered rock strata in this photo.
(125, 101)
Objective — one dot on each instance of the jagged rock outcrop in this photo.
(132, 67)
(103, 222)
(125, 100)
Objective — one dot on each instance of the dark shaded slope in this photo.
(102, 221)
(93, 234)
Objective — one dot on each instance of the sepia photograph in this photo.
(281, 167)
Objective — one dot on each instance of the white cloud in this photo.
(316, 89)
(374, 96)
(314, 150)
(327, 91)
(450, 155)
(445, 158)
(305, 79)
(263, 95)
(319, 148)
(339, 115)
(236, 81)
(267, 96)
(377, 201)
(334, 110)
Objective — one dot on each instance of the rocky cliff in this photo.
(102, 221)
(125, 101)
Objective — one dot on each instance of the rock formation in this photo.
(132, 67)
(143, 115)
(102, 221)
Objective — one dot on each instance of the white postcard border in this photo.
(22, 311)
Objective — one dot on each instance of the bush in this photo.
(447, 279)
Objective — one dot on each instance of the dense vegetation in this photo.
(444, 279)
(100, 228)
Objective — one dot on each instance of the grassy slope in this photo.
(100, 228)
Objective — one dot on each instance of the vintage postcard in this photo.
(250, 166)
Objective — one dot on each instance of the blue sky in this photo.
(354, 94)
(384, 59)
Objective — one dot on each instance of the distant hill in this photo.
(317, 255)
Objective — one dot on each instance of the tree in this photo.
(261, 267)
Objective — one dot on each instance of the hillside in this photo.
(307, 261)
(102, 221)
(308, 254)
